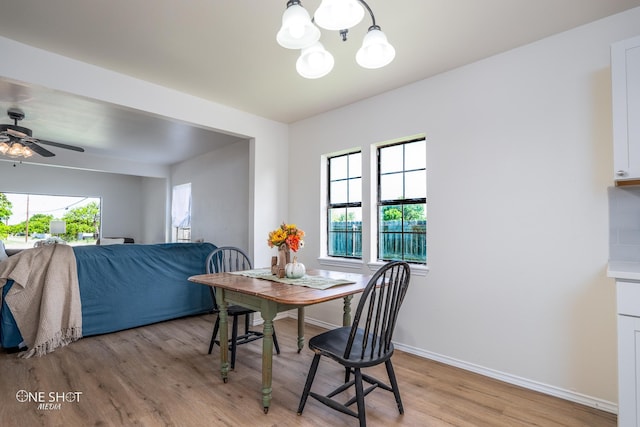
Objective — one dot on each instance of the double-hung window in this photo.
(344, 205)
(402, 201)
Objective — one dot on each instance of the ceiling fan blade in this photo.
(60, 145)
(37, 149)
(15, 131)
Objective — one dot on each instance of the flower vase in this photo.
(284, 256)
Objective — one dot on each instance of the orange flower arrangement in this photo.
(287, 234)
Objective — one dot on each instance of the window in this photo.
(26, 219)
(181, 212)
(402, 201)
(344, 207)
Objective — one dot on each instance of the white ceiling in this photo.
(225, 51)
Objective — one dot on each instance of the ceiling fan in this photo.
(17, 141)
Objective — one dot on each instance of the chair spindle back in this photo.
(377, 311)
(226, 259)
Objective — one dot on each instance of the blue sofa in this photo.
(126, 286)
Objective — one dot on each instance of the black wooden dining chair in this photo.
(228, 259)
(366, 343)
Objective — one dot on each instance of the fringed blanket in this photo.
(45, 297)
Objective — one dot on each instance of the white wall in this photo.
(122, 205)
(519, 160)
(154, 199)
(220, 194)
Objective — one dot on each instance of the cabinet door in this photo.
(625, 80)
(628, 371)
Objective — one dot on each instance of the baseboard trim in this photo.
(571, 396)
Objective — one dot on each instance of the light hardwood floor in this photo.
(161, 375)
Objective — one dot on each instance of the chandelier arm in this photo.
(373, 18)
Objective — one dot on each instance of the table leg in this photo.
(346, 314)
(300, 329)
(224, 334)
(267, 313)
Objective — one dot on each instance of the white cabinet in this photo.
(625, 87)
(628, 296)
(628, 367)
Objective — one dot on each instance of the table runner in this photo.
(315, 282)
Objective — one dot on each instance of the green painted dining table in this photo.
(268, 296)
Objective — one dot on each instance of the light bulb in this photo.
(338, 15)
(297, 31)
(314, 62)
(376, 52)
(15, 150)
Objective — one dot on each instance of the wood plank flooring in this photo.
(161, 375)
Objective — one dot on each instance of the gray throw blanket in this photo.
(45, 297)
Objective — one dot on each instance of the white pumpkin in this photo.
(295, 269)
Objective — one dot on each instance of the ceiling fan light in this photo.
(26, 152)
(15, 150)
(314, 62)
(376, 51)
(338, 15)
(4, 147)
(297, 31)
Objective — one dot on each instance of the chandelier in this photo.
(14, 149)
(299, 31)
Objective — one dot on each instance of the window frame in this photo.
(395, 202)
(183, 228)
(347, 205)
(54, 203)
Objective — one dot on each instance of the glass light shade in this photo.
(338, 15)
(4, 147)
(314, 62)
(16, 149)
(376, 52)
(297, 31)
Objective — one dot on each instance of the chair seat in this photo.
(238, 310)
(334, 342)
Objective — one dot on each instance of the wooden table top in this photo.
(284, 293)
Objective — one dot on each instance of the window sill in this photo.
(341, 262)
(416, 270)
